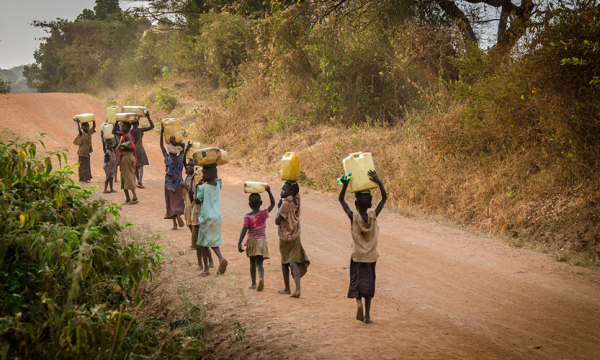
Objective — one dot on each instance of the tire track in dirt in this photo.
(441, 292)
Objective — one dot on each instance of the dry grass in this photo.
(505, 192)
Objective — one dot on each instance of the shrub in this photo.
(65, 271)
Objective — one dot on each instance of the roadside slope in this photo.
(441, 292)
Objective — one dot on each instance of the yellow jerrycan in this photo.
(359, 164)
(107, 129)
(210, 156)
(126, 117)
(111, 111)
(83, 118)
(172, 128)
(290, 167)
(138, 110)
(254, 187)
(195, 147)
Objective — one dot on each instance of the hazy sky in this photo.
(17, 37)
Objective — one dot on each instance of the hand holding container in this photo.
(255, 187)
(83, 118)
(195, 147)
(172, 128)
(359, 164)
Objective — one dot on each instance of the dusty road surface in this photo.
(441, 292)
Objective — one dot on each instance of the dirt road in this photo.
(441, 292)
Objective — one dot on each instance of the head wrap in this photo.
(174, 149)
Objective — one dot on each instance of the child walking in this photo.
(127, 161)
(174, 154)
(254, 226)
(207, 195)
(365, 233)
(137, 133)
(109, 164)
(292, 253)
(190, 213)
(84, 140)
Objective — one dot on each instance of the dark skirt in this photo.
(174, 201)
(362, 280)
(294, 252)
(85, 169)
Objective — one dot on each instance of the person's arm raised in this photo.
(376, 178)
(342, 198)
(79, 127)
(271, 198)
(162, 142)
(148, 128)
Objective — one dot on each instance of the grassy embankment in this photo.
(500, 144)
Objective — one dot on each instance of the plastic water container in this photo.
(172, 128)
(195, 147)
(254, 187)
(290, 168)
(107, 129)
(138, 110)
(83, 118)
(359, 164)
(111, 111)
(126, 117)
(210, 156)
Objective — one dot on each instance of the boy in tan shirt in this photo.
(365, 233)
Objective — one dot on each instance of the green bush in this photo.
(66, 274)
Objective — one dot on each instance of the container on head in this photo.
(359, 164)
(107, 129)
(111, 111)
(83, 118)
(138, 110)
(195, 147)
(172, 128)
(290, 167)
(210, 157)
(254, 187)
(126, 117)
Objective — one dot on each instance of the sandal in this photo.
(126, 203)
(134, 201)
(141, 186)
(222, 266)
(205, 273)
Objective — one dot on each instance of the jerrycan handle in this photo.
(356, 154)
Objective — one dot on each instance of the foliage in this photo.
(4, 87)
(94, 52)
(66, 273)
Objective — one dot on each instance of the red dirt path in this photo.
(441, 292)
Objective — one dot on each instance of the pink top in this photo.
(256, 224)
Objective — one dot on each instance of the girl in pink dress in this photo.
(254, 226)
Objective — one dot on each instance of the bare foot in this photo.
(211, 265)
(106, 192)
(113, 191)
(261, 285)
(368, 320)
(296, 294)
(359, 314)
(284, 291)
(173, 228)
(253, 286)
(199, 268)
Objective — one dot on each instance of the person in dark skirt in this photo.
(137, 133)
(174, 161)
(365, 233)
(84, 140)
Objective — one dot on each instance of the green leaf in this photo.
(32, 150)
(4, 351)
